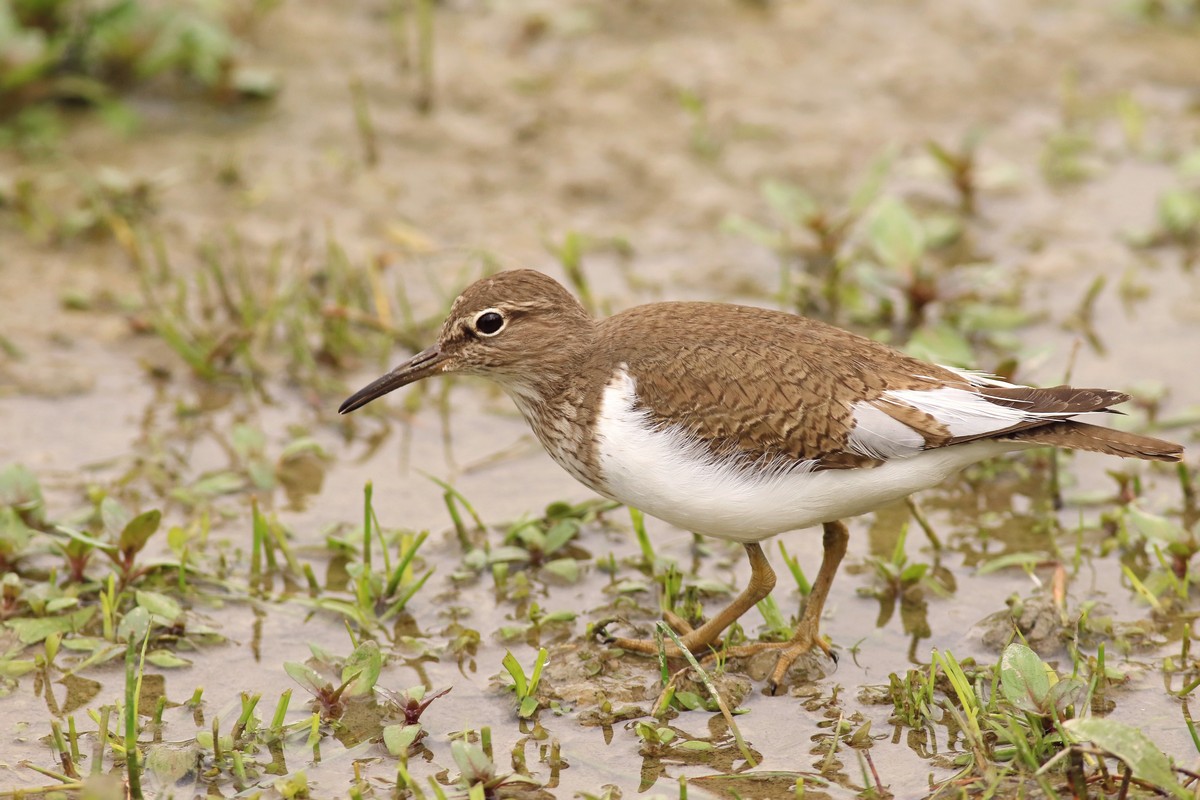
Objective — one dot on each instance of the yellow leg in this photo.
(699, 640)
(762, 580)
(807, 634)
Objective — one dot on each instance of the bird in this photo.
(742, 423)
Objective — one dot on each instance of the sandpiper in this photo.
(743, 423)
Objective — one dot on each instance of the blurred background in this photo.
(218, 218)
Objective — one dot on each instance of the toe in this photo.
(600, 630)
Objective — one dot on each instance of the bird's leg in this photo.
(807, 634)
(762, 581)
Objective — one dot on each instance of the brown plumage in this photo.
(743, 422)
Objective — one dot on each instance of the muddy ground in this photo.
(644, 127)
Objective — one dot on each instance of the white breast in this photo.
(667, 474)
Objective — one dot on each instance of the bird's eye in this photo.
(489, 322)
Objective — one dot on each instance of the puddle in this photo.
(643, 129)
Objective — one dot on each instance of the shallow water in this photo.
(558, 117)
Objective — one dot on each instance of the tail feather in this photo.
(1096, 439)
(1055, 399)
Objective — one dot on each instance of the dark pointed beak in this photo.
(422, 365)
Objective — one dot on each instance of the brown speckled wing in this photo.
(775, 388)
(762, 384)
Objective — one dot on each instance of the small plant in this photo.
(379, 594)
(812, 241)
(125, 537)
(22, 513)
(357, 677)
(57, 53)
(411, 703)
(961, 166)
(1173, 546)
(525, 687)
(478, 774)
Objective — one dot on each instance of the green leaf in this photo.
(790, 202)
(516, 672)
(748, 229)
(217, 484)
(1026, 561)
(941, 344)
(1179, 211)
(472, 762)
(31, 631)
(539, 663)
(166, 659)
(565, 568)
(114, 516)
(138, 531)
(1070, 691)
(306, 676)
(134, 625)
(20, 491)
(1155, 527)
(528, 706)
(171, 762)
(365, 664)
(60, 604)
(85, 539)
(500, 555)
(896, 235)
(160, 605)
(1134, 748)
(698, 745)
(15, 668)
(872, 183)
(1024, 679)
(559, 534)
(248, 440)
(398, 738)
(303, 446)
(14, 533)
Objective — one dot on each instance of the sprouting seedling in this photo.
(11, 590)
(704, 139)
(1140, 758)
(960, 166)
(22, 513)
(1173, 544)
(477, 771)
(570, 257)
(526, 686)
(411, 703)
(897, 238)
(359, 674)
(127, 537)
(328, 698)
(812, 239)
(1029, 685)
(542, 538)
(899, 574)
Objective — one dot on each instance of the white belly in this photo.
(663, 473)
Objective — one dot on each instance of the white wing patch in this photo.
(670, 475)
(877, 435)
(980, 378)
(966, 413)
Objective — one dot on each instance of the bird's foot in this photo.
(690, 637)
(804, 640)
